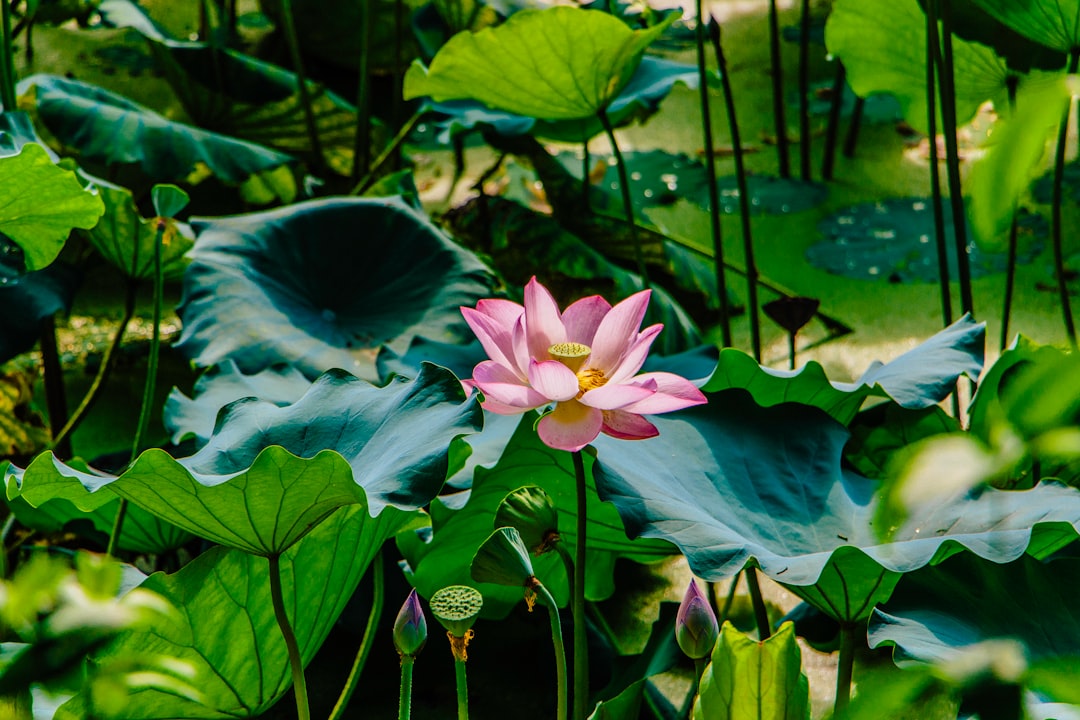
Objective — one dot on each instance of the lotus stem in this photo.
(462, 685)
(55, 396)
(103, 373)
(628, 204)
(1055, 212)
(710, 176)
(405, 698)
(699, 671)
(586, 180)
(932, 44)
(560, 649)
(581, 638)
(378, 583)
(397, 74)
(777, 68)
(833, 128)
(744, 195)
(9, 523)
(296, 663)
(761, 614)
(729, 600)
(388, 152)
(1010, 266)
(362, 144)
(291, 39)
(844, 669)
(804, 91)
(791, 350)
(7, 61)
(851, 139)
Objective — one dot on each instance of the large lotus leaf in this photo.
(222, 384)
(127, 240)
(651, 83)
(987, 412)
(751, 680)
(732, 483)
(883, 46)
(919, 378)
(227, 630)
(587, 57)
(1023, 54)
(40, 204)
(108, 128)
(1052, 23)
(444, 558)
(319, 284)
(269, 475)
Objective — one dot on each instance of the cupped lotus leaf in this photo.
(583, 63)
(502, 559)
(227, 629)
(320, 284)
(732, 483)
(444, 558)
(1052, 23)
(919, 378)
(108, 128)
(751, 680)
(269, 475)
(650, 84)
(883, 46)
(126, 239)
(222, 384)
(40, 204)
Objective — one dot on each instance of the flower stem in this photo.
(710, 177)
(7, 61)
(844, 669)
(296, 664)
(462, 690)
(581, 638)
(699, 671)
(628, 204)
(55, 395)
(388, 152)
(560, 649)
(293, 42)
(362, 144)
(405, 698)
(832, 130)
(378, 574)
(1055, 213)
(932, 44)
(777, 69)
(730, 599)
(761, 615)
(804, 92)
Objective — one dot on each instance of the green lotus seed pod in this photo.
(503, 559)
(532, 513)
(456, 607)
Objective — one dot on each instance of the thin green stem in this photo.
(55, 395)
(744, 195)
(7, 62)
(851, 138)
(462, 690)
(730, 599)
(388, 152)
(581, 637)
(296, 663)
(568, 565)
(761, 615)
(844, 669)
(624, 186)
(378, 583)
(777, 70)
(791, 350)
(710, 176)
(1055, 213)
(1010, 267)
(932, 44)
(804, 92)
(405, 698)
(832, 130)
(9, 523)
(362, 145)
(291, 39)
(586, 170)
(560, 648)
(699, 671)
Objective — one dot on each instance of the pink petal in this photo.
(635, 356)
(583, 317)
(570, 426)
(543, 323)
(553, 380)
(503, 392)
(628, 426)
(616, 396)
(503, 312)
(617, 332)
(495, 336)
(521, 347)
(672, 393)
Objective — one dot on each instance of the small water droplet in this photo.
(884, 234)
(873, 270)
(612, 162)
(668, 178)
(647, 193)
(918, 205)
(635, 175)
(924, 239)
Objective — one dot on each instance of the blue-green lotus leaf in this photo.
(732, 483)
(108, 128)
(226, 629)
(268, 474)
(28, 299)
(222, 384)
(650, 84)
(320, 284)
(921, 377)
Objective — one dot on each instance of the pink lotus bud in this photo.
(696, 628)
(410, 627)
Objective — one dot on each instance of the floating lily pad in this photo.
(732, 483)
(303, 285)
(894, 240)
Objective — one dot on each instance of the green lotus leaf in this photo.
(40, 204)
(301, 285)
(751, 680)
(921, 377)
(732, 483)
(126, 239)
(1052, 23)
(459, 530)
(108, 128)
(587, 57)
(227, 629)
(502, 559)
(269, 475)
(883, 46)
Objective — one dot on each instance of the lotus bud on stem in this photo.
(410, 635)
(696, 628)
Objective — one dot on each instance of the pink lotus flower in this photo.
(583, 360)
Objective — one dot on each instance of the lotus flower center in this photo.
(571, 354)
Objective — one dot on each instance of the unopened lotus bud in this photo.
(696, 627)
(410, 627)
